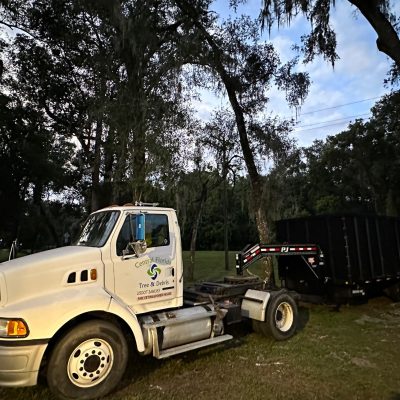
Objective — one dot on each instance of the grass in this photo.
(4, 253)
(352, 353)
(210, 265)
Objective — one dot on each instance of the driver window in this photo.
(125, 235)
(157, 232)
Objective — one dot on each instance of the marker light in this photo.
(13, 328)
(93, 274)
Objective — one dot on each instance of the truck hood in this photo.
(46, 271)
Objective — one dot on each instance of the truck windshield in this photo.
(97, 229)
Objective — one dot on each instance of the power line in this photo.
(323, 126)
(334, 120)
(341, 105)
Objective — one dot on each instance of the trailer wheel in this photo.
(88, 361)
(256, 325)
(281, 317)
(393, 292)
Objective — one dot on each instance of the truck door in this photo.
(143, 282)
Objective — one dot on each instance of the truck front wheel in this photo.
(281, 317)
(88, 361)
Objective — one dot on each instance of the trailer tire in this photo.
(393, 292)
(256, 325)
(281, 317)
(88, 361)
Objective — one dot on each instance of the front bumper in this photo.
(20, 362)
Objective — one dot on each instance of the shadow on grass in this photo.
(26, 393)
(304, 317)
(139, 367)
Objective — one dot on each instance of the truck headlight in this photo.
(13, 328)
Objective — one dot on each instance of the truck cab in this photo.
(73, 313)
(144, 278)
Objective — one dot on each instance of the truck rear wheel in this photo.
(281, 317)
(88, 362)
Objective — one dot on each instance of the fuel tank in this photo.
(178, 327)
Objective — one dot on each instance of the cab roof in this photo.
(136, 207)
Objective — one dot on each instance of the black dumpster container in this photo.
(362, 255)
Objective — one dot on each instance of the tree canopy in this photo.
(97, 107)
(321, 40)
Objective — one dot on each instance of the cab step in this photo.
(192, 346)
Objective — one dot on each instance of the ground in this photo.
(352, 353)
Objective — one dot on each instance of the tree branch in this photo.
(388, 41)
(11, 26)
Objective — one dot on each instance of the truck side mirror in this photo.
(140, 227)
(139, 245)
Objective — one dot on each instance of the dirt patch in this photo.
(368, 319)
(362, 362)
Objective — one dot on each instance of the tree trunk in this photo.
(139, 165)
(225, 171)
(109, 157)
(95, 201)
(254, 176)
(119, 171)
(181, 211)
(256, 181)
(203, 197)
(225, 207)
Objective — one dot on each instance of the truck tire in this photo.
(88, 361)
(281, 317)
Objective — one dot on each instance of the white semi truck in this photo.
(72, 313)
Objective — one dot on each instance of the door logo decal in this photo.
(154, 271)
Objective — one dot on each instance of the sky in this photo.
(337, 95)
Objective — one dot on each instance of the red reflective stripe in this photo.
(257, 250)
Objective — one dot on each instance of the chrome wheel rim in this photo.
(90, 363)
